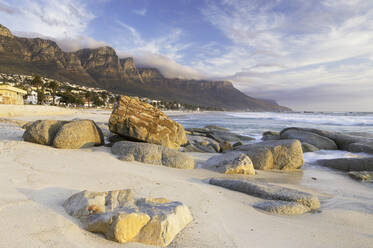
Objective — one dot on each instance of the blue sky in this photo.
(308, 55)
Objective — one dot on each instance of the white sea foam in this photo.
(255, 123)
(338, 119)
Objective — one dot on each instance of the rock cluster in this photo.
(212, 139)
(274, 154)
(139, 121)
(282, 200)
(152, 154)
(122, 218)
(201, 144)
(320, 139)
(64, 134)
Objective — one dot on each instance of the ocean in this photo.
(342, 192)
(253, 124)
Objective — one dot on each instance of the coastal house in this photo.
(11, 95)
(32, 98)
(87, 103)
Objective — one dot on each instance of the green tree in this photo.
(89, 95)
(105, 96)
(54, 87)
(97, 100)
(41, 95)
(37, 82)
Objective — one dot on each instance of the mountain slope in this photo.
(101, 67)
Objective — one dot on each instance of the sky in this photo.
(306, 54)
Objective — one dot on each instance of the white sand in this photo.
(35, 180)
(32, 110)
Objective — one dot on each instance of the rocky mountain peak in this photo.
(101, 67)
(128, 65)
(150, 73)
(5, 32)
(98, 57)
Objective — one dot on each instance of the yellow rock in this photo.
(157, 200)
(161, 230)
(128, 226)
(141, 121)
(242, 169)
(122, 218)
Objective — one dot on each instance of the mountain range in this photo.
(101, 67)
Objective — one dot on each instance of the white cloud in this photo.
(141, 12)
(160, 52)
(53, 18)
(281, 47)
(63, 22)
(168, 67)
(136, 38)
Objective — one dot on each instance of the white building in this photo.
(32, 98)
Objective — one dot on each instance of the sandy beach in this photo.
(35, 180)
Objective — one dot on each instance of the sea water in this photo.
(253, 124)
(344, 192)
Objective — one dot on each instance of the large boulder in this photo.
(152, 154)
(275, 154)
(78, 134)
(231, 163)
(43, 131)
(314, 139)
(348, 164)
(139, 121)
(64, 134)
(122, 218)
(283, 200)
(353, 142)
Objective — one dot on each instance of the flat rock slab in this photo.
(152, 154)
(122, 218)
(271, 192)
(352, 142)
(305, 136)
(218, 134)
(282, 207)
(365, 176)
(348, 164)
